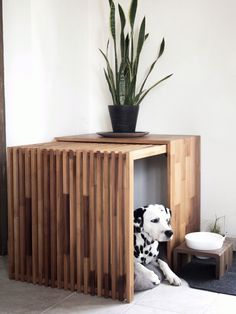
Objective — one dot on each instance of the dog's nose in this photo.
(168, 233)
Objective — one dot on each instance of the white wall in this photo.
(55, 84)
(46, 62)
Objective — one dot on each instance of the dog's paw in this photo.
(174, 280)
(153, 277)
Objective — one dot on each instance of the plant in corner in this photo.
(121, 78)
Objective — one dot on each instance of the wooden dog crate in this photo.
(70, 205)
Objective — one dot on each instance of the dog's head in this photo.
(155, 221)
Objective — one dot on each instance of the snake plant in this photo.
(122, 80)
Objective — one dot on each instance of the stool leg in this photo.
(175, 262)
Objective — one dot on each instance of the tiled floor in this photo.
(17, 297)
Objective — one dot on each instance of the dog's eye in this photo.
(156, 220)
(168, 221)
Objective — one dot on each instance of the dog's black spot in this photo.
(138, 216)
(134, 239)
(143, 259)
(141, 248)
(166, 210)
(150, 254)
(146, 252)
(136, 254)
(137, 229)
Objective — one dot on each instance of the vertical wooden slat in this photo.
(98, 224)
(112, 216)
(79, 257)
(34, 216)
(22, 213)
(66, 248)
(46, 216)
(120, 233)
(86, 234)
(92, 247)
(10, 213)
(105, 224)
(16, 213)
(128, 226)
(28, 215)
(53, 263)
(40, 215)
(72, 219)
(60, 231)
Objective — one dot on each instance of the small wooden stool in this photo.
(223, 257)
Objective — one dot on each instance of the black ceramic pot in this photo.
(123, 118)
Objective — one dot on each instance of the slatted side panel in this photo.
(184, 188)
(69, 221)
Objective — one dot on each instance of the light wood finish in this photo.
(76, 204)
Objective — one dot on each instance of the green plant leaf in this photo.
(122, 87)
(130, 92)
(112, 19)
(122, 17)
(141, 37)
(122, 36)
(113, 94)
(147, 91)
(132, 13)
(110, 75)
(162, 48)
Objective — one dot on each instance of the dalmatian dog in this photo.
(151, 226)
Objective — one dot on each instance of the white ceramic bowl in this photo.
(204, 241)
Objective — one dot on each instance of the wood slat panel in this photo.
(10, 213)
(99, 223)
(128, 225)
(72, 219)
(79, 253)
(112, 217)
(66, 219)
(85, 215)
(53, 229)
(34, 216)
(22, 213)
(16, 214)
(120, 230)
(40, 215)
(92, 225)
(46, 217)
(28, 214)
(60, 231)
(105, 204)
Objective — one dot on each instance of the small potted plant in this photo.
(216, 227)
(126, 92)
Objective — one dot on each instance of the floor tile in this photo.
(222, 304)
(177, 299)
(139, 309)
(80, 303)
(19, 297)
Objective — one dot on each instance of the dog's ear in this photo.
(138, 219)
(168, 209)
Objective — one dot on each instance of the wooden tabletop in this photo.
(148, 139)
(182, 248)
